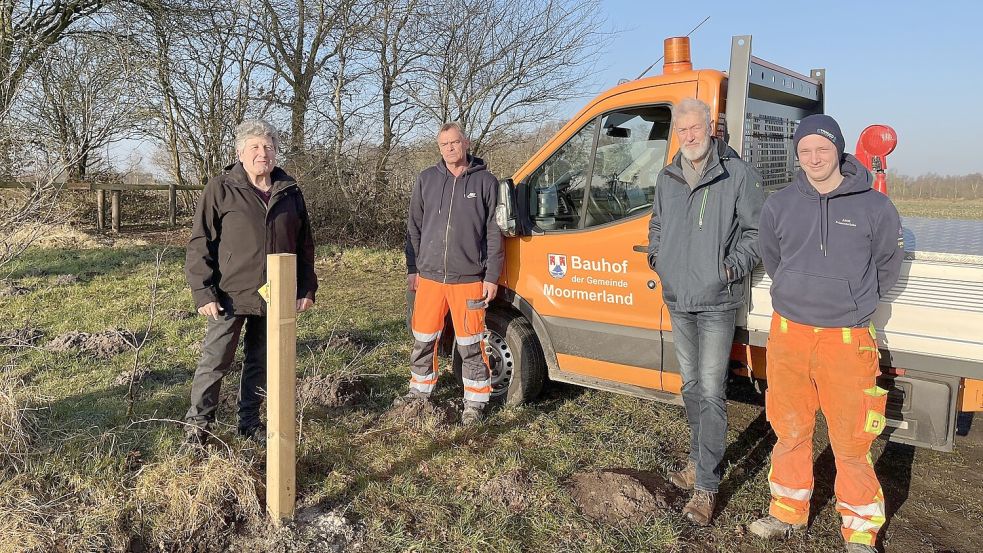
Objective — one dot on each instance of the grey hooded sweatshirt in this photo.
(831, 257)
(451, 233)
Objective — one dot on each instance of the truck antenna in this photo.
(649, 68)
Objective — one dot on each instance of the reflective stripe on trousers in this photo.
(432, 303)
(832, 369)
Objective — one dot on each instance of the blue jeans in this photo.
(703, 342)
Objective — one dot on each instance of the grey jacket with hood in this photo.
(696, 234)
(831, 257)
(451, 233)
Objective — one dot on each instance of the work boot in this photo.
(699, 510)
(770, 527)
(409, 398)
(684, 479)
(255, 433)
(472, 414)
(196, 436)
(859, 548)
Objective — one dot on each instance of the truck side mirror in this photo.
(505, 210)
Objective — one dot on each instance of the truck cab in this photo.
(579, 302)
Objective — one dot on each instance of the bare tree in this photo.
(498, 65)
(81, 97)
(395, 38)
(201, 81)
(27, 29)
(302, 38)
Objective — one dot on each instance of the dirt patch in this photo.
(422, 412)
(65, 280)
(337, 341)
(510, 490)
(179, 314)
(617, 495)
(102, 345)
(315, 530)
(10, 290)
(20, 337)
(331, 391)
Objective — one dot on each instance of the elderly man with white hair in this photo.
(253, 208)
(703, 242)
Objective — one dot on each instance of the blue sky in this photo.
(917, 67)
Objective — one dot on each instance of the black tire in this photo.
(511, 339)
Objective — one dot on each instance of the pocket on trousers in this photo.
(474, 317)
(872, 419)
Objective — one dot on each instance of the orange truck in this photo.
(579, 304)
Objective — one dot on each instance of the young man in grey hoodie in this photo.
(454, 258)
(702, 243)
(833, 248)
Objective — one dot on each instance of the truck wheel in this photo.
(518, 369)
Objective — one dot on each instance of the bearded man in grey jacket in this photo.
(703, 243)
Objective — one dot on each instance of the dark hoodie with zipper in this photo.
(697, 234)
(233, 231)
(831, 257)
(451, 233)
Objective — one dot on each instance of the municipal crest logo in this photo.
(557, 265)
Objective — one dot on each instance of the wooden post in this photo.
(115, 209)
(281, 384)
(172, 204)
(101, 209)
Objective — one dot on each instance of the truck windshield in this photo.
(616, 178)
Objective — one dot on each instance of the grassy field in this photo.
(940, 208)
(80, 474)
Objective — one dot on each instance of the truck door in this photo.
(585, 269)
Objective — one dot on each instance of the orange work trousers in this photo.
(833, 369)
(466, 305)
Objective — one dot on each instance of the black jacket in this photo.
(451, 233)
(232, 233)
(695, 235)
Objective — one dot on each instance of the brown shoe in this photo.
(686, 478)
(699, 510)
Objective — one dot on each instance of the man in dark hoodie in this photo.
(454, 258)
(702, 243)
(833, 247)
(250, 210)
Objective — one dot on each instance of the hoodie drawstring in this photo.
(823, 224)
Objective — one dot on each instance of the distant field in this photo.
(940, 208)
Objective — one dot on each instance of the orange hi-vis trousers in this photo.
(833, 369)
(465, 303)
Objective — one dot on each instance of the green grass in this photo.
(940, 208)
(412, 488)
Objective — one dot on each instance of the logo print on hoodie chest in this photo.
(846, 223)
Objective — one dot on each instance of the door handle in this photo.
(641, 248)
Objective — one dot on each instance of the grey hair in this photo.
(254, 128)
(692, 105)
(453, 125)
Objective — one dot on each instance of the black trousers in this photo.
(217, 354)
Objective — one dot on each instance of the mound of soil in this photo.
(331, 390)
(338, 340)
(422, 412)
(26, 336)
(11, 290)
(616, 495)
(509, 489)
(102, 345)
(179, 314)
(65, 280)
